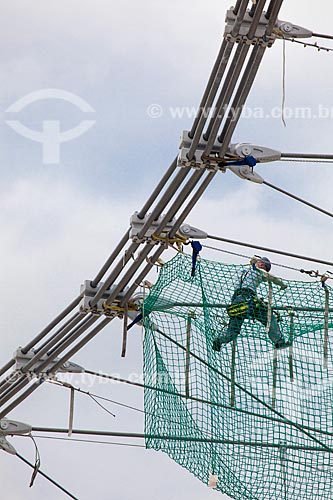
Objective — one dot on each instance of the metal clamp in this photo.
(11, 428)
(242, 36)
(137, 225)
(192, 232)
(236, 151)
(289, 30)
(89, 293)
(282, 28)
(246, 172)
(21, 359)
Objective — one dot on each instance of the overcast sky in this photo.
(59, 222)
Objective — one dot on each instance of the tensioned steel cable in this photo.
(297, 198)
(271, 250)
(320, 35)
(312, 273)
(315, 156)
(137, 435)
(39, 471)
(91, 441)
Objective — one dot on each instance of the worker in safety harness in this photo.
(246, 304)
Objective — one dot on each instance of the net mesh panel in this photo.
(257, 417)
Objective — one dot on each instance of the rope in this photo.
(37, 462)
(301, 200)
(99, 404)
(177, 239)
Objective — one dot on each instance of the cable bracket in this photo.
(11, 428)
(282, 29)
(259, 37)
(99, 309)
(137, 224)
(214, 162)
(21, 359)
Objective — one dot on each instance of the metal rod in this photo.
(212, 86)
(275, 363)
(129, 252)
(85, 324)
(232, 375)
(158, 189)
(19, 400)
(204, 112)
(248, 79)
(215, 80)
(136, 435)
(62, 332)
(177, 181)
(320, 35)
(239, 17)
(187, 189)
(130, 272)
(236, 8)
(273, 16)
(297, 198)
(124, 343)
(258, 8)
(10, 390)
(63, 345)
(325, 354)
(46, 477)
(7, 366)
(314, 156)
(142, 275)
(71, 322)
(51, 325)
(188, 357)
(111, 259)
(82, 343)
(71, 411)
(272, 250)
(225, 96)
(270, 8)
(180, 219)
(291, 338)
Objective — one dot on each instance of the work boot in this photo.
(282, 344)
(217, 344)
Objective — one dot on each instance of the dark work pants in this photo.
(258, 312)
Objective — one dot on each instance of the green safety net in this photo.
(253, 421)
